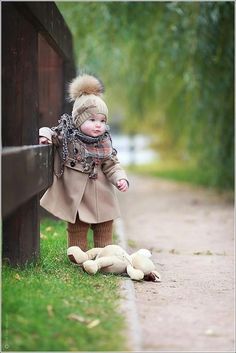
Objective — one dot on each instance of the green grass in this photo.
(181, 172)
(55, 306)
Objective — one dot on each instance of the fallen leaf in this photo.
(77, 318)
(21, 319)
(210, 332)
(93, 323)
(42, 236)
(173, 251)
(50, 310)
(66, 302)
(48, 229)
(90, 311)
(17, 276)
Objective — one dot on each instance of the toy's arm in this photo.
(78, 256)
(92, 267)
(135, 274)
(92, 253)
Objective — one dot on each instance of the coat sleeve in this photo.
(49, 134)
(112, 169)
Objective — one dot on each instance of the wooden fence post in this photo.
(33, 34)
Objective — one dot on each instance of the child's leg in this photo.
(102, 233)
(77, 234)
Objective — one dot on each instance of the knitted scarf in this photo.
(91, 151)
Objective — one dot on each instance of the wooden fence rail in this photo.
(26, 171)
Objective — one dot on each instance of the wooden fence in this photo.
(37, 63)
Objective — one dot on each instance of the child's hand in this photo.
(44, 141)
(122, 185)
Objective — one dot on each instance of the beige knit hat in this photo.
(86, 92)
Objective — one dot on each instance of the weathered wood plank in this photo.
(19, 79)
(49, 21)
(20, 235)
(51, 97)
(26, 171)
(69, 73)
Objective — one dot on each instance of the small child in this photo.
(85, 167)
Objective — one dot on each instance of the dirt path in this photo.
(190, 233)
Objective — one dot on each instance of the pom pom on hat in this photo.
(86, 92)
(85, 84)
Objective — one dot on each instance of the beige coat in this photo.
(74, 192)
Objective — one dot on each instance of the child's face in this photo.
(94, 126)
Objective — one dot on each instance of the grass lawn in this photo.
(55, 306)
(177, 171)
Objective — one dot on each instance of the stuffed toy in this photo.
(114, 259)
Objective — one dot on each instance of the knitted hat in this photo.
(86, 92)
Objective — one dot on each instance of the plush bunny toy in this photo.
(114, 259)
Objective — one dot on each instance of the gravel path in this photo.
(190, 232)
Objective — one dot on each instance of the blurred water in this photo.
(134, 150)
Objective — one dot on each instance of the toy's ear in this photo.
(144, 252)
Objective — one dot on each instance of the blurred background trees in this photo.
(168, 69)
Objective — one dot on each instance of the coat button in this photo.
(72, 164)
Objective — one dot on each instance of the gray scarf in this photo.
(92, 149)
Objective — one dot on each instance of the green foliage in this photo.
(176, 171)
(215, 71)
(54, 306)
(169, 71)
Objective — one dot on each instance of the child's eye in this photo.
(103, 121)
(92, 119)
